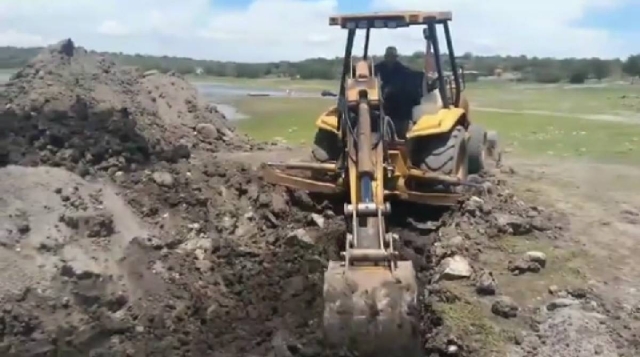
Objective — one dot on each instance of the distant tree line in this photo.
(530, 69)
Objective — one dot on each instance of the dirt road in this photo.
(603, 202)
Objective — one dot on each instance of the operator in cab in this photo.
(390, 67)
(397, 87)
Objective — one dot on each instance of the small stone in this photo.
(318, 219)
(163, 178)
(561, 303)
(579, 293)
(199, 253)
(518, 338)
(505, 307)
(537, 257)
(486, 284)
(299, 235)
(207, 132)
(522, 266)
(454, 242)
(66, 302)
(592, 306)
(512, 224)
(279, 204)
(553, 289)
(452, 349)
(456, 267)
(24, 228)
(118, 176)
(474, 205)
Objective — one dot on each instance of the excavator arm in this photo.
(370, 294)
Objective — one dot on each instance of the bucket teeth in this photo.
(372, 311)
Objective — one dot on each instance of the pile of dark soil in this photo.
(75, 109)
(197, 256)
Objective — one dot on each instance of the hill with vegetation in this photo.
(534, 69)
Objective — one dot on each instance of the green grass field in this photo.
(292, 119)
(612, 99)
(608, 99)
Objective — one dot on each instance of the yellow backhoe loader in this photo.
(371, 295)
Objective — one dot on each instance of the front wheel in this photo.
(326, 146)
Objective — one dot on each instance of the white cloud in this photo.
(541, 27)
(114, 28)
(296, 29)
(19, 39)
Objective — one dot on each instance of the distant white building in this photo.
(199, 71)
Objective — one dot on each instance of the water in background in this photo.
(220, 94)
(217, 90)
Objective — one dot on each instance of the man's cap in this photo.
(391, 52)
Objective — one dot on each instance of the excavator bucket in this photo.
(372, 310)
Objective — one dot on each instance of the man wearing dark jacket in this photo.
(390, 67)
(396, 85)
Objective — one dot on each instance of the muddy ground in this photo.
(134, 223)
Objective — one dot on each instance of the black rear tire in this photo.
(445, 154)
(477, 147)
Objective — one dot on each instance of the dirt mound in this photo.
(167, 251)
(83, 273)
(72, 108)
(61, 241)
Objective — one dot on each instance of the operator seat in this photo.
(430, 102)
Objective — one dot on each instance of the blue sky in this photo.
(355, 5)
(268, 30)
(343, 5)
(622, 20)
